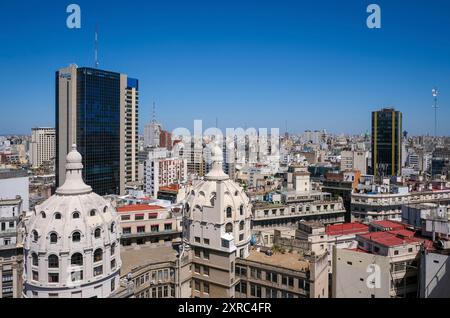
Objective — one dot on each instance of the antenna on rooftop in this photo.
(434, 92)
(96, 48)
(154, 113)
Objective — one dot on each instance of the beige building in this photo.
(43, 143)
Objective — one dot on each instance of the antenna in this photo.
(154, 113)
(217, 122)
(434, 92)
(96, 48)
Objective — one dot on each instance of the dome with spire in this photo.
(72, 241)
(218, 209)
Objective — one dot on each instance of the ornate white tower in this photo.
(217, 228)
(71, 245)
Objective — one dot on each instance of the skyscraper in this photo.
(98, 110)
(42, 146)
(387, 142)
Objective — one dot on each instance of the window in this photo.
(113, 227)
(255, 290)
(197, 285)
(241, 226)
(35, 259)
(98, 270)
(197, 252)
(35, 275)
(76, 259)
(53, 277)
(228, 228)
(197, 268)
(241, 210)
(127, 230)
(272, 277)
(113, 249)
(229, 212)
(139, 217)
(225, 244)
(125, 217)
(410, 250)
(43, 215)
(97, 232)
(241, 237)
(98, 255)
(141, 229)
(76, 237)
(396, 252)
(155, 228)
(53, 261)
(75, 215)
(105, 208)
(113, 283)
(205, 270)
(113, 264)
(57, 216)
(206, 288)
(92, 212)
(206, 241)
(205, 254)
(53, 238)
(197, 239)
(168, 227)
(35, 235)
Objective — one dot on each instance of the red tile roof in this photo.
(396, 238)
(347, 228)
(138, 207)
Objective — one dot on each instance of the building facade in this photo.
(43, 146)
(387, 142)
(98, 110)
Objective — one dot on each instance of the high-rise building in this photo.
(386, 142)
(42, 146)
(98, 110)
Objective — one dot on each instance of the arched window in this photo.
(34, 259)
(35, 235)
(97, 232)
(53, 238)
(113, 249)
(43, 215)
(241, 226)
(229, 228)
(53, 261)
(98, 255)
(76, 259)
(229, 212)
(76, 236)
(241, 209)
(113, 227)
(76, 215)
(187, 208)
(105, 209)
(92, 213)
(57, 216)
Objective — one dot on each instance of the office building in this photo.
(387, 142)
(43, 143)
(98, 110)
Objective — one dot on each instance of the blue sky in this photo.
(254, 63)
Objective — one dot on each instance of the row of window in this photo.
(142, 229)
(76, 259)
(156, 276)
(158, 292)
(75, 215)
(76, 236)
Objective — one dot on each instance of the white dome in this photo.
(222, 203)
(79, 230)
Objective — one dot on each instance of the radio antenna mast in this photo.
(96, 48)
(434, 92)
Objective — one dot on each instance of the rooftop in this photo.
(135, 257)
(139, 207)
(396, 238)
(288, 260)
(388, 225)
(347, 228)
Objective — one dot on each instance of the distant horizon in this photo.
(247, 63)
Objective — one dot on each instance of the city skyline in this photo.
(253, 65)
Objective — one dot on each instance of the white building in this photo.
(71, 242)
(43, 141)
(14, 183)
(354, 160)
(152, 132)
